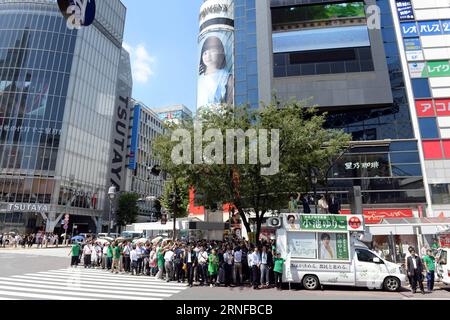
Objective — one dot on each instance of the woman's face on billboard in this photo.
(212, 58)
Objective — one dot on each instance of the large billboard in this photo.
(216, 55)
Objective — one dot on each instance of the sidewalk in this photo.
(34, 247)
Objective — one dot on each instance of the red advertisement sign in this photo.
(430, 108)
(425, 108)
(442, 107)
(376, 216)
(444, 240)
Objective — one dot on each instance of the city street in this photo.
(42, 274)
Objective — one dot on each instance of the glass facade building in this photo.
(57, 96)
(326, 50)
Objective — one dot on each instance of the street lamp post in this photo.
(314, 183)
(111, 195)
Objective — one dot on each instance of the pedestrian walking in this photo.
(430, 267)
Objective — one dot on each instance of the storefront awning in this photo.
(408, 226)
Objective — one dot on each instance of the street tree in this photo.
(303, 144)
(127, 209)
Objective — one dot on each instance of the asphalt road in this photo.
(38, 269)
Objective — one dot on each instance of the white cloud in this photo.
(141, 62)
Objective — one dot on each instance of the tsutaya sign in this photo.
(28, 207)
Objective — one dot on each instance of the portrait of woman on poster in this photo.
(326, 251)
(216, 84)
(291, 223)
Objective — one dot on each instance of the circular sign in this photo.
(78, 12)
(355, 223)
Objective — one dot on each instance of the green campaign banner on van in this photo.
(342, 246)
(330, 223)
(323, 223)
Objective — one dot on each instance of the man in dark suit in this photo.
(191, 262)
(306, 207)
(334, 205)
(414, 266)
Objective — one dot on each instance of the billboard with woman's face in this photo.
(215, 75)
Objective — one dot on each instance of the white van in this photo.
(325, 250)
(443, 266)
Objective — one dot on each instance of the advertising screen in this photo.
(215, 76)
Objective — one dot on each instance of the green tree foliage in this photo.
(304, 144)
(127, 209)
(181, 204)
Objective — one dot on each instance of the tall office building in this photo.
(423, 32)
(342, 57)
(58, 90)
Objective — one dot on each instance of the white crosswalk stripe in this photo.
(85, 284)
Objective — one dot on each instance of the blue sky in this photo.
(162, 39)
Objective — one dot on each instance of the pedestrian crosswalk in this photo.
(85, 284)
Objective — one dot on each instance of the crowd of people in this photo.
(203, 263)
(40, 239)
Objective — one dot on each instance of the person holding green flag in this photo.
(75, 252)
(213, 267)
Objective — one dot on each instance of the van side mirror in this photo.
(377, 260)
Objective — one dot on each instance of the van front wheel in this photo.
(311, 282)
(392, 284)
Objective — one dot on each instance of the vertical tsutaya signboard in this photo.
(135, 137)
(120, 143)
(405, 10)
(216, 55)
(78, 13)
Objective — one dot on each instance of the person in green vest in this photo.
(213, 267)
(109, 256)
(293, 203)
(116, 258)
(160, 258)
(278, 270)
(75, 252)
(430, 267)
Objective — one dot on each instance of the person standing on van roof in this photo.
(415, 269)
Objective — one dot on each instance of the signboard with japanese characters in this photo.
(335, 223)
(430, 28)
(376, 216)
(438, 68)
(416, 69)
(416, 55)
(425, 108)
(412, 44)
(311, 266)
(445, 26)
(409, 29)
(368, 165)
(405, 10)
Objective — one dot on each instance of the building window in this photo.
(421, 88)
(429, 128)
(440, 193)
